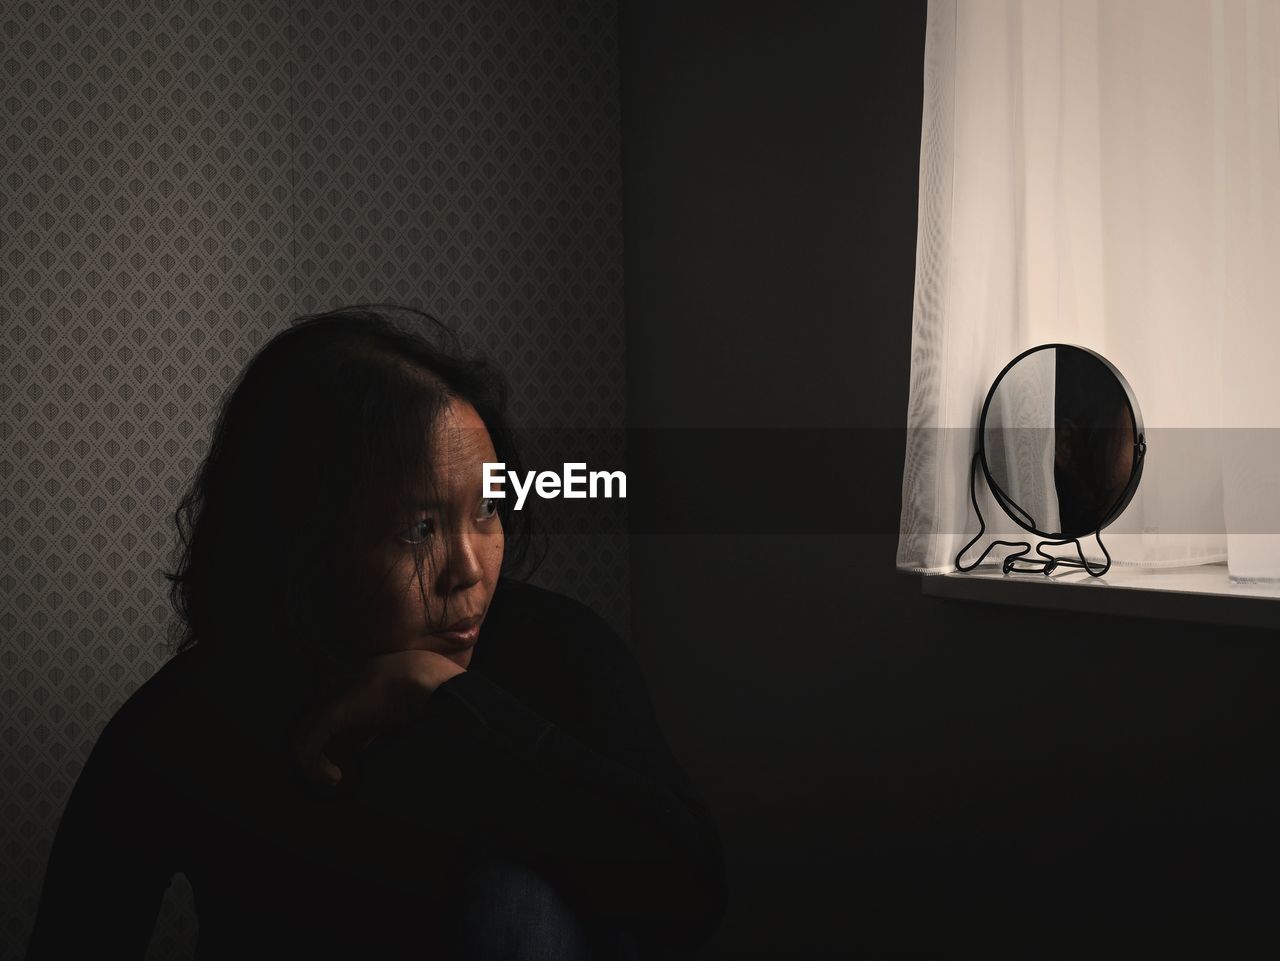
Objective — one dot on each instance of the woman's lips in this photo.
(464, 633)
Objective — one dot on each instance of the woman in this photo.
(374, 740)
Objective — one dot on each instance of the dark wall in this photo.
(894, 775)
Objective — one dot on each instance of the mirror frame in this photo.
(1135, 417)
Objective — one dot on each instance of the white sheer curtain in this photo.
(1104, 173)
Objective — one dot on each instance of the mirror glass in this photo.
(1060, 434)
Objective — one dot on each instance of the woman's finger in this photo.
(315, 734)
(327, 769)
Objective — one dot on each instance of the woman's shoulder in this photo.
(137, 741)
(527, 605)
(175, 714)
(163, 691)
(533, 631)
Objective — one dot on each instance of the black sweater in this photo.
(547, 746)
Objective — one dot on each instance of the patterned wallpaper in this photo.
(176, 181)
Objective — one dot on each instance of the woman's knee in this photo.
(506, 909)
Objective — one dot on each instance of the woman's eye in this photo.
(489, 507)
(419, 532)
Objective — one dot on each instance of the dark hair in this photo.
(324, 437)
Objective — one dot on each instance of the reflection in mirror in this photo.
(1095, 436)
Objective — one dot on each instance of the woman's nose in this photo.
(464, 568)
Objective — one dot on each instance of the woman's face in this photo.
(462, 541)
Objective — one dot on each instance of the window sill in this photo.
(1202, 593)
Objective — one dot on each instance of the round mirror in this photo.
(1062, 441)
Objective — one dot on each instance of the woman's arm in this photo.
(107, 871)
(604, 808)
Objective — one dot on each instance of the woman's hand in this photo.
(390, 692)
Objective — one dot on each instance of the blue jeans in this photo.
(507, 910)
